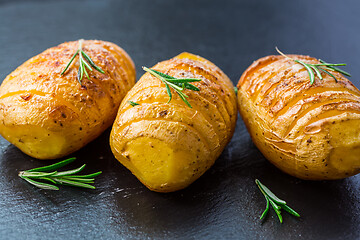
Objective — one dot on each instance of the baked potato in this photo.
(168, 145)
(310, 131)
(48, 115)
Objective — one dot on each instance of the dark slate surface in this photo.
(224, 203)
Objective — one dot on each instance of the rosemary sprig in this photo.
(36, 176)
(85, 62)
(316, 69)
(276, 203)
(133, 103)
(178, 84)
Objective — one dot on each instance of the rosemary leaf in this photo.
(183, 97)
(191, 87)
(335, 68)
(83, 180)
(40, 184)
(186, 85)
(64, 173)
(178, 84)
(91, 62)
(183, 80)
(178, 81)
(87, 176)
(71, 60)
(290, 210)
(73, 183)
(316, 68)
(269, 193)
(159, 73)
(87, 65)
(84, 69)
(85, 62)
(277, 210)
(266, 209)
(80, 74)
(47, 179)
(329, 64)
(329, 73)
(308, 68)
(133, 103)
(34, 176)
(168, 91)
(276, 203)
(53, 166)
(318, 74)
(176, 87)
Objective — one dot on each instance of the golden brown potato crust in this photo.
(308, 131)
(47, 115)
(177, 144)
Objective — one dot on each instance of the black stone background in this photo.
(225, 202)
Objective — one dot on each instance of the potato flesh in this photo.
(167, 146)
(308, 131)
(47, 115)
(345, 152)
(31, 139)
(159, 166)
(154, 165)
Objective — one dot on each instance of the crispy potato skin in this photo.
(167, 146)
(49, 116)
(308, 131)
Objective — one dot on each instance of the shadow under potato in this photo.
(227, 187)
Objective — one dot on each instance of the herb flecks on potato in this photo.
(309, 129)
(166, 144)
(48, 115)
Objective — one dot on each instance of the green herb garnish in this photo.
(36, 176)
(236, 90)
(178, 84)
(85, 62)
(276, 203)
(314, 69)
(133, 103)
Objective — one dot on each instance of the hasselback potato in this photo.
(311, 131)
(168, 145)
(48, 115)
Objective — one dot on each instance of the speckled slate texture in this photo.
(224, 203)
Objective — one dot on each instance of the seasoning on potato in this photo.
(48, 112)
(173, 134)
(304, 120)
